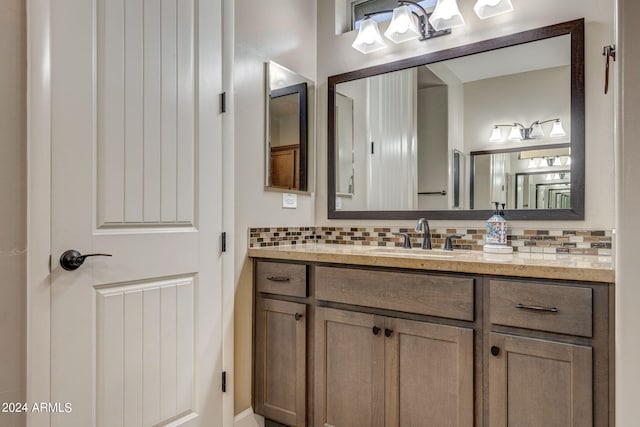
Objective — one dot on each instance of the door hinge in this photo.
(223, 241)
(224, 381)
(223, 102)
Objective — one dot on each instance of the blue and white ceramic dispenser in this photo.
(496, 237)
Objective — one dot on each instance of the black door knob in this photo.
(388, 332)
(70, 260)
(495, 350)
(375, 330)
(298, 316)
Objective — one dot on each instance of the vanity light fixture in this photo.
(490, 8)
(519, 132)
(405, 25)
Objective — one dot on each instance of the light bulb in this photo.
(369, 38)
(532, 164)
(556, 162)
(403, 26)
(557, 129)
(536, 131)
(490, 8)
(446, 15)
(496, 135)
(515, 134)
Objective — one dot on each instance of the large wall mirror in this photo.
(446, 134)
(290, 100)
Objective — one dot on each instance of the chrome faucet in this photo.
(423, 227)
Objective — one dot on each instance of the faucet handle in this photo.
(407, 240)
(447, 242)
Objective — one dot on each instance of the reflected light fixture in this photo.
(519, 132)
(446, 15)
(496, 135)
(490, 8)
(557, 129)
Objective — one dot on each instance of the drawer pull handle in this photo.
(278, 278)
(537, 308)
(375, 330)
(388, 332)
(298, 316)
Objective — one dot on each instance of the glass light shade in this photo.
(403, 26)
(446, 15)
(556, 162)
(489, 8)
(536, 131)
(515, 134)
(532, 164)
(569, 161)
(369, 38)
(496, 135)
(557, 129)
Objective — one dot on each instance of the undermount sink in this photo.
(413, 253)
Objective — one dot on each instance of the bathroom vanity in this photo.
(374, 336)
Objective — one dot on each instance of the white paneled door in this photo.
(136, 173)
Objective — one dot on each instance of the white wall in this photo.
(336, 56)
(627, 207)
(13, 180)
(282, 31)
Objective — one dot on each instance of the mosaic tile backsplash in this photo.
(582, 242)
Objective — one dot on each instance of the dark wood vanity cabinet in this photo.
(359, 346)
(280, 342)
(548, 348)
(373, 370)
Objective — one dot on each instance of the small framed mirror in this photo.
(289, 105)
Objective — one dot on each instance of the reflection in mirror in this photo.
(289, 105)
(542, 190)
(415, 126)
(522, 179)
(458, 172)
(344, 138)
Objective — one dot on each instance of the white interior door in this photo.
(136, 173)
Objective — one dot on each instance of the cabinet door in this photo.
(280, 365)
(539, 383)
(429, 374)
(349, 371)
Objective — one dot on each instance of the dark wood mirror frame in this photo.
(576, 30)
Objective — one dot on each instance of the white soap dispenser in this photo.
(496, 237)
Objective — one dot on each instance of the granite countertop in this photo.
(590, 268)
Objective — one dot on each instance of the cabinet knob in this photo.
(388, 332)
(375, 330)
(298, 316)
(495, 350)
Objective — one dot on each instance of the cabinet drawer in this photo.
(552, 308)
(281, 278)
(442, 296)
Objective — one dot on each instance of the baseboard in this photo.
(247, 418)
